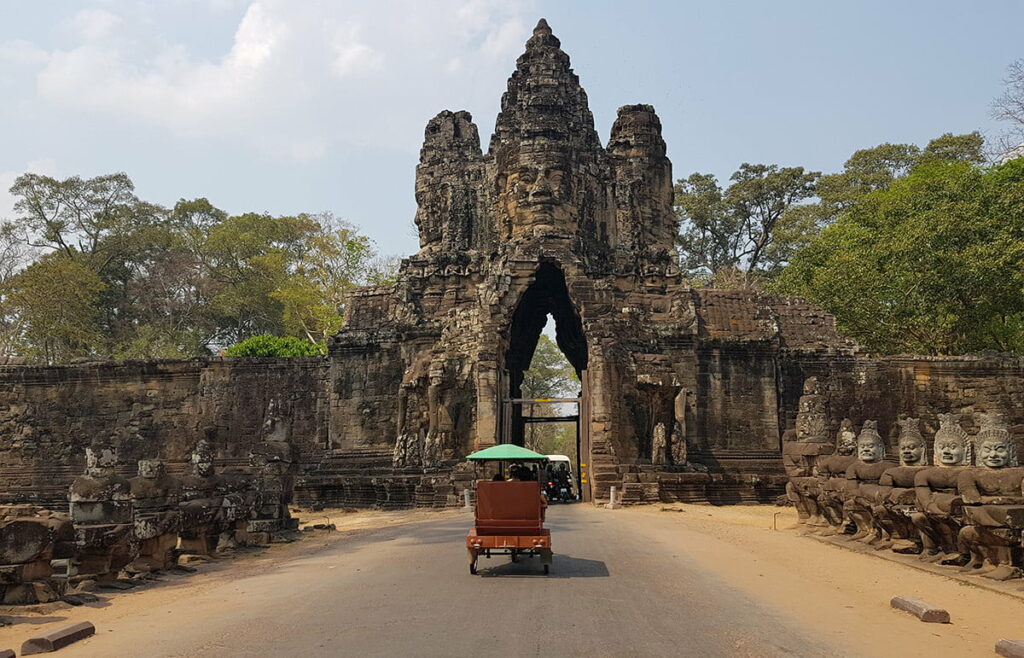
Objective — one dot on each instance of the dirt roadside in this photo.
(23, 622)
(844, 593)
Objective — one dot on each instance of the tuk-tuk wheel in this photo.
(472, 569)
(515, 555)
(547, 567)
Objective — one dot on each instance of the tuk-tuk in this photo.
(509, 515)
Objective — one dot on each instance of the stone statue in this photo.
(896, 497)
(802, 448)
(862, 481)
(155, 497)
(992, 493)
(678, 448)
(832, 478)
(938, 504)
(202, 509)
(31, 538)
(101, 510)
(659, 449)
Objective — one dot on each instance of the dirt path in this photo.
(702, 581)
(842, 593)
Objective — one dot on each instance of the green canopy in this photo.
(507, 452)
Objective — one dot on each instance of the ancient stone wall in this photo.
(48, 415)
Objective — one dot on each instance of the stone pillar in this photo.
(101, 510)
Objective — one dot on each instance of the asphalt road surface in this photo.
(617, 587)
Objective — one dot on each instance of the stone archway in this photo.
(546, 295)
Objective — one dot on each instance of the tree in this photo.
(930, 264)
(266, 345)
(56, 300)
(550, 375)
(736, 228)
(1009, 107)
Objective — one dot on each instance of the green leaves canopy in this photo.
(149, 282)
(931, 264)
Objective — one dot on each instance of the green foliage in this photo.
(56, 302)
(930, 263)
(185, 281)
(748, 232)
(275, 346)
(740, 227)
(550, 375)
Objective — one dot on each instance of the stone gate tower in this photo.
(551, 222)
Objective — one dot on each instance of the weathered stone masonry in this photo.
(546, 221)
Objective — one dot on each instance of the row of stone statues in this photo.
(963, 506)
(142, 524)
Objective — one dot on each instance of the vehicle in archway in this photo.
(509, 514)
(561, 483)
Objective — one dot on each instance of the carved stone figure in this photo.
(678, 448)
(991, 494)
(659, 447)
(939, 507)
(832, 479)
(896, 495)
(862, 481)
(275, 463)
(203, 517)
(807, 444)
(101, 510)
(155, 497)
(30, 537)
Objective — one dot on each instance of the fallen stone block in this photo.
(1010, 648)
(80, 599)
(120, 583)
(57, 638)
(7, 653)
(920, 609)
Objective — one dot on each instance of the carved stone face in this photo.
(847, 443)
(912, 453)
(994, 453)
(150, 468)
(537, 193)
(869, 451)
(100, 460)
(951, 452)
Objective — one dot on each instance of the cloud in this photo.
(295, 80)
(93, 24)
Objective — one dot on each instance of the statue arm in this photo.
(967, 487)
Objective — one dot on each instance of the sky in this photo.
(285, 106)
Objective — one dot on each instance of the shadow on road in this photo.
(564, 566)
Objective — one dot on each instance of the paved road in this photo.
(617, 588)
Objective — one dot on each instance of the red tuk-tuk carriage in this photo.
(509, 514)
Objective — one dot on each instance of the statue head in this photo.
(870, 447)
(952, 446)
(995, 446)
(202, 459)
(538, 191)
(100, 458)
(911, 444)
(846, 439)
(151, 469)
(811, 386)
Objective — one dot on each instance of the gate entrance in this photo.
(523, 409)
(546, 296)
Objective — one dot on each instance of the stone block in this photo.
(57, 638)
(1010, 648)
(920, 609)
(7, 653)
